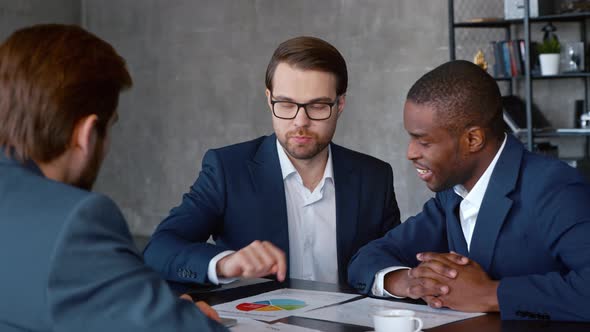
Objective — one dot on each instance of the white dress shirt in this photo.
(468, 211)
(311, 219)
(469, 207)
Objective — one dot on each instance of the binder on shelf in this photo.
(513, 68)
(498, 61)
(515, 115)
(506, 56)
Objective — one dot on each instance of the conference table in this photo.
(486, 323)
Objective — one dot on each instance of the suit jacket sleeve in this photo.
(564, 225)
(98, 281)
(178, 248)
(424, 232)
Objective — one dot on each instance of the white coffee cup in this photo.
(396, 320)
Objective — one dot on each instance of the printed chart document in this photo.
(249, 325)
(360, 313)
(280, 303)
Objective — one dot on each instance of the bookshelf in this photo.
(530, 133)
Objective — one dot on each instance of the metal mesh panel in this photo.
(468, 9)
(468, 41)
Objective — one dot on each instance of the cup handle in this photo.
(419, 321)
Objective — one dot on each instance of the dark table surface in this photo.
(486, 323)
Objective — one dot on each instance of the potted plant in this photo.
(549, 51)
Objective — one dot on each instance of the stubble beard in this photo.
(303, 151)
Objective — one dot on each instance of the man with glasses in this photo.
(292, 200)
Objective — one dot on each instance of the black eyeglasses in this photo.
(288, 110)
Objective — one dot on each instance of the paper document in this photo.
(360, 313)
(249, 325)
(280, 303)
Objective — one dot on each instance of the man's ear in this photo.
(475, 138)
(341, 103)
(85, 136)
(267, 93)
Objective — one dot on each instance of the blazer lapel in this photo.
(267, 180)
(496, 204)
(347, 186)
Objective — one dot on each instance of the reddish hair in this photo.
(309, 53)
(52, 76)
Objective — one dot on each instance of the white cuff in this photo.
(212, 269)
(378, 287)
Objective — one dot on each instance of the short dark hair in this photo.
(310, 53)
(462, 95)
(52, 76)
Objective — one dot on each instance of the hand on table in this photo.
(258, 259)
(204, 307)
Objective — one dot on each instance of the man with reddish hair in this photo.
(68, 261)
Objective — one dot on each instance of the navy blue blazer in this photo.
(532, 234)
(69, 264)
(239, 197)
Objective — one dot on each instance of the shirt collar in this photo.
(287, 167)
(475, 196)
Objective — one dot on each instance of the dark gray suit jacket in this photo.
(69, 264)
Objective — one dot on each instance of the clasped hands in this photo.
(446, 280)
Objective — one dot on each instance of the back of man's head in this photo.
(463, 95)
(51, 76)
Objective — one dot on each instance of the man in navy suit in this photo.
(507, 229)
(289, 200)
(68, 260)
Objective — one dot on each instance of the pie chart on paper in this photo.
(271, 305)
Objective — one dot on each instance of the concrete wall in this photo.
(199, 83)
(21, 13)
(199, 66)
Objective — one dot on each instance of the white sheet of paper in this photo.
(249, 325)
(360, 313)
(280, 303)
